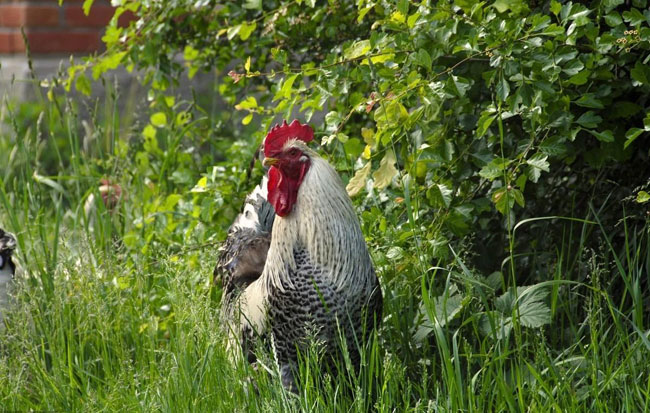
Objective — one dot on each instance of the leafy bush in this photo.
(497, 153)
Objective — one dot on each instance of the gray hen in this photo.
(7, 266)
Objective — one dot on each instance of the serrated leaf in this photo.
(529, 304)
(539, 161)
(386, 172)
(358, 181)
(442, 310)
(641, 73)
(634, 17)
(494, 169)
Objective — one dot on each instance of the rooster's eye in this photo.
(293, 152)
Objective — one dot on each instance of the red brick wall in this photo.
(51, 28)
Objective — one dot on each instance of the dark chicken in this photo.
(7, 266)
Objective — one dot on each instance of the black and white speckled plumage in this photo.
(318, 280)
(243, 254)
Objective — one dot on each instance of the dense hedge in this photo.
(450, 121)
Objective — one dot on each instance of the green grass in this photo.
(117, 312)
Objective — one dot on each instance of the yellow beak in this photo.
(269, 161)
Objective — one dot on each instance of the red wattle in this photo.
(283, 189)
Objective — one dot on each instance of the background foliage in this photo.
(497, 153)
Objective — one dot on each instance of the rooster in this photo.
(295, 265)
(7, 266)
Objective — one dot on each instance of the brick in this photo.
(99, 16)
(126, 18)
(11, 43)
(64, 42)
(18, 15)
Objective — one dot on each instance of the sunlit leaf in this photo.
(386, 172)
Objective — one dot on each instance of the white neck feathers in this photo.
(325, 224)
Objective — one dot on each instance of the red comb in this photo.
(280, 134)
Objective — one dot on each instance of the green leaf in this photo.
(631, 135)
(529, 304)
(159, 119)
(642, 197)
(442, 310)
(589, 119)
(588, 100)
(246, 30)
(556, 7)
(368, 136)
(86, 6)
(484, 122)
(233, 31)
(190, 53)
(537, 163)
(502, 200)
(247, 119)
(503, 89)
(48, 182)
(386, 172)
(641, 73)
(286, 89)
(604, 136)
(423, 59)
(580, 78)
(149, 131)
(82, 84)
(439, 195)
(353, 147)
(633, 17)
(518, 196)
(249, 103)
(613, 19)
(358, 181)
(494, 169)
(253, 4)
(357, 49)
